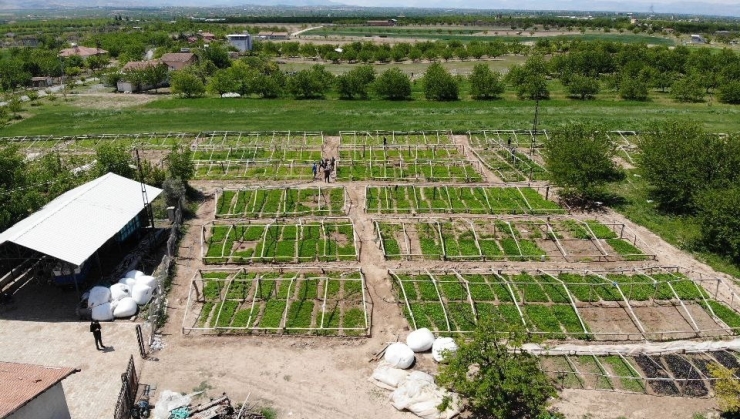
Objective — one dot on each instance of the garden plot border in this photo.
(196, 294)
(208, 139)
(622, 232)
(693, 382)
(415, 169)
(207, 231)
(723, 293)
(282, 204)
(87, 143)
(515, 155)
(438, 137)
(270, 170)
(450, 208)
(257, 153)
(519, 137)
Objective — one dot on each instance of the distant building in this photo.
(41, 82)
(33, 391)
(83, 52)
(207, 36)
(178, 60)
(127, 86)
(698, 39)
(241, 41)
(273, 36)
(389, 22)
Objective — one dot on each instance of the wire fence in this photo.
(305, 300)
(656, 303)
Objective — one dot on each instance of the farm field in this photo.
(655, 304)
(514, 239)
(304, 301)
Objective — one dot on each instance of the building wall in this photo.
(242, 42)
(50, 404)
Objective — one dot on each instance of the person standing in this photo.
(327, 173)
(314, 169)
(95, 329)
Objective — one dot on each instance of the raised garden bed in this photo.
(281, 202)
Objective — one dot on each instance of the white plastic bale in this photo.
(147, 280)
(440, 346)
(419, 395)
(420, 340)
(399, 355)
(98, 295)
(141, 294)
(134, 274)
(129, 282)
(126, 307)
(102, 312)
(118, 291)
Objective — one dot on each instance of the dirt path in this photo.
(487, 174)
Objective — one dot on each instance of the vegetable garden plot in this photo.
(457, 170)
(238, 139)
(306, 155)
(511, 165)
(304, 301)
(407, 154)
(665, 375)
(328, 240)
(89, 143)
(494, 239)
(254, 170)
(515, 138)
(394, 138)
(551, 303)
(281, 202)
(404, 199)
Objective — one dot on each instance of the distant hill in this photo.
(729, 8)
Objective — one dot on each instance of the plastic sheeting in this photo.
(399, 355)
(119, 291)
(134, 274)
(387, 377)
(628, 349)
(129, 282)
(420, 340)
(147, 280)
(141, 294)
(126, 307)
(168, 401)
(440, 345)
(98, 296)
(102, 312)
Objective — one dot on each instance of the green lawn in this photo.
(331, 115)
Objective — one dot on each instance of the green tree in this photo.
(583, 87)
(719, 217)
(529, 79)
(579, 158)
(484, 83)
(439, 84)
(687, 89)
(495, 379)
(155, 75)
(180, 163)
(309, 84)
(355, 83)
(218, 55)
(679, 160)
(222, 82)
(187, 84)
(730, 92)
(114, 158)
(393, 84)
(633, 89)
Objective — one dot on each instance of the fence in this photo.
(127, 395)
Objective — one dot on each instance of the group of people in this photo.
(326, 166)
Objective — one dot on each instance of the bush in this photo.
(687, 89)
(393, 84)
(439, 84)
(730, 92)
(633, 89)
(484, 83)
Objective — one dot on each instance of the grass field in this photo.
(332, 116)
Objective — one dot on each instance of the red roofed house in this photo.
(178, 60)
(207, 36)
(33, 391)
(83, 52)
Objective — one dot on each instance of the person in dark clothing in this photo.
(95, 329)
(314, 169)
(333, 160)
(327, 173)
(385, 141)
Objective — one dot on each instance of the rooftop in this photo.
(21, 383)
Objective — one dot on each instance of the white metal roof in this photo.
(77, 223)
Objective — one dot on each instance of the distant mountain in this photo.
(729, 8)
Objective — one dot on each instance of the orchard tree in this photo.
(114, 158)
(633, 89)
(583, 87)
(730, 92)
(439, 84)
(484, 83)
(393, 84)
(222, 83)
(529, 79)
(580, 159)
(355, 83)
(496, 379)
(310, 84)
(719, 217)
(180, 163)
(687, 89)
(187, 84)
